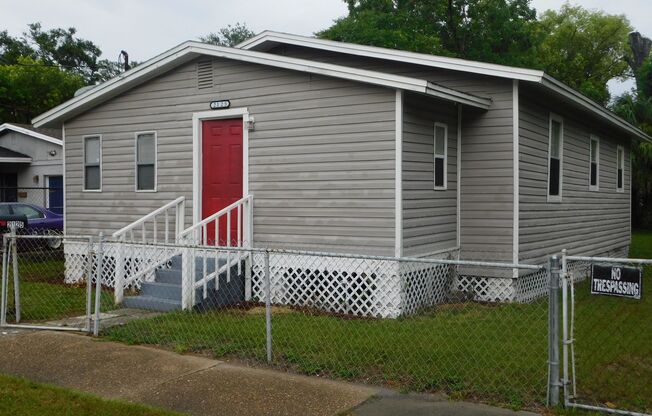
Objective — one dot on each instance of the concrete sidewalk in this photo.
(201, 386)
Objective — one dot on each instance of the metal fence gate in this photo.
(607, 338)
(35, 291)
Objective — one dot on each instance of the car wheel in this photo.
(53, 243)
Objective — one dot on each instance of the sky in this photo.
(145, 28)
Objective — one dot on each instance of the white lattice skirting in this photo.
(340, 285)
(136, 258)
(381, 288)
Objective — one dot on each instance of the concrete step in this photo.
(151, 303)
(170, 276)
(161, 290)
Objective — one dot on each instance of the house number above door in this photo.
(220, 105)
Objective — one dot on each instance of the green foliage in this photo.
(22, 397)
(29, 88)
(229, 36)
(499, 31)
(583, 48)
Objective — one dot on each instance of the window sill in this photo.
(554, 199)
(594, 188)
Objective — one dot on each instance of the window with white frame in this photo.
(92, 163)
(594, 160)
(620, 169)
(146, 161)
(555, 158)
(440, 156)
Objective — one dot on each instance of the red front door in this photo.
(221, 173)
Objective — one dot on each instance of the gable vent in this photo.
(204, 75)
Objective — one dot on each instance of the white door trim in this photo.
(197, 119)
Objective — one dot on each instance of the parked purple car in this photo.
(39, 220)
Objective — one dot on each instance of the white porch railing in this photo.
(234, 222)
(200, 234)
(153, 228)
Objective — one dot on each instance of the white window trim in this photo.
(595, 187)
(620, 149)
(197, 119)
(84, 163)
(560, 120)
(155, 161)
(435, 155)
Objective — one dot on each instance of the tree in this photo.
(61, 48)
(584, 49)
(229, 36)
(499, 31)
(29, 88)
(636, 107)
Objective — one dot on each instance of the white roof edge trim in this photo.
(15, 159)
(522, 74)
(458, 64)
(142, 69)
(28, 132)
(564, 90)
(320, 68)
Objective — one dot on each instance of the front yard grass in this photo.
(44, 296)
(488, 352)
(20, 397)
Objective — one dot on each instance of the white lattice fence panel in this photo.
(424, 284)
(75, 259)
(532, 286)
(136, 258)
(361, 287)
(486, 289)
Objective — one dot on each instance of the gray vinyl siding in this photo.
(429, 215)
(34, 174)
(487, 201)
(321, 157)
(585, 222)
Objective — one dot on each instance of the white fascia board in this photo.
(152, 67)
(456, 64)
(15, 159)
(457, 96)
(344, 72)
(188, 50)
(28, 132)
(579, 99)
(443, 62)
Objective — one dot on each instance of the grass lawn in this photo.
(20, 397)
(488, 352)
(43, 293)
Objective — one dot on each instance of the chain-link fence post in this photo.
(98, 284)
(553, 333)
(14, 260)
(89, 286)
(268, 308)
(5, 284)
(564, 324)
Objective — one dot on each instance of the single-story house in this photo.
(31, 169)
(350, 148)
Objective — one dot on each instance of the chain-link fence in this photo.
(36, 291)
(50, 198)
(608, 334)
(414, 324)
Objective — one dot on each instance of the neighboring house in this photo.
(354, 149)
(31, 166)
